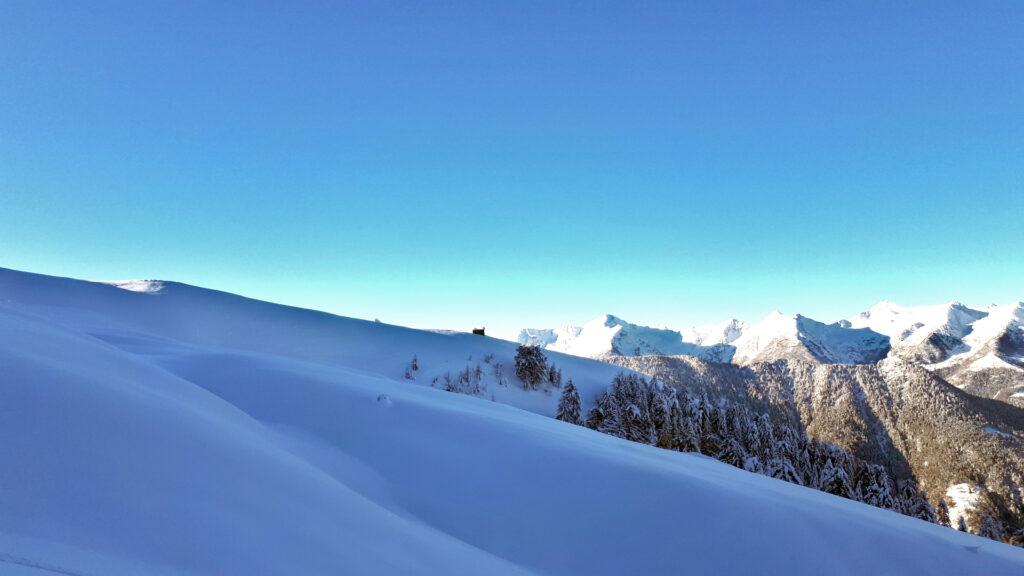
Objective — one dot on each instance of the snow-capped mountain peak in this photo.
(724, 332)
(609, 334)
(957, 341)
(776, 336)
(798, 337)
(912, 325)
(995, 340)
(961, 342)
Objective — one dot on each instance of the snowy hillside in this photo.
(159, 428)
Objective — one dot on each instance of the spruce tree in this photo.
(783, 470)
(663, 403)
(555, 376)
(834, 480)
(569, 405)
(991, 527)
(531, 366)
(732, 452)
(600, 412)
(942, 514)
(912, 503)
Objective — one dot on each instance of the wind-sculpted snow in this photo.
(192, 432)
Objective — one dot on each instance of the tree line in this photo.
(657, 414)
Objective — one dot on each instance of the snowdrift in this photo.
(159, 428)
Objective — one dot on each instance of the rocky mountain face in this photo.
(991, 361)
(966, 453)
(980, 351)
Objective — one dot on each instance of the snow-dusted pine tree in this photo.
(569, 405)
(531, 366)
(913, 503)
(834, 480)
(732, 452)
(499, 374)
(874, 487)
(602, 417)
(991, 527)
(554, 376)
(942, 513)
(783, 470)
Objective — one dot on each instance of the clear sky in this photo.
(521, 163)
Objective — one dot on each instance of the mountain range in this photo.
(979, 350)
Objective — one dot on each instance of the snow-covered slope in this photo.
(612, 335)
(778, 336)
(176, 430)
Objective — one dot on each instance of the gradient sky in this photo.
(521, 163)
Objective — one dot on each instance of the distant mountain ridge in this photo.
(609, 334)
(979, 350)
(777, 336)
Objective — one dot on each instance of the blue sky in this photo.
(521, 163)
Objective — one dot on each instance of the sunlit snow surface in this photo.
(962, 499)
(144, 286)
(190, 431)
